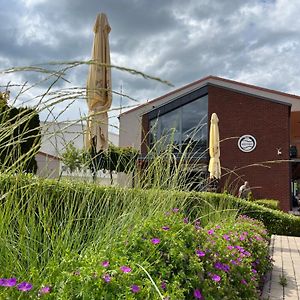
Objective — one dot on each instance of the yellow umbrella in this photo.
(99, 95)
(214, 166)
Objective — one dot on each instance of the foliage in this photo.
(120, 159)
(166, 256)
(73, 158)
(19, 138)
(276, 222)
(270, 203)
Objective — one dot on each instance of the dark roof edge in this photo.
(229, 81)
(249, 94)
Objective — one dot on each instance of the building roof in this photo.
(226, 83)
(48, 155)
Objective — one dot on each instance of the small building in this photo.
(257, 127)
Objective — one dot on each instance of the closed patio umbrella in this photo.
(99, 95)
(214, 166)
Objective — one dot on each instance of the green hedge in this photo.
(66, 194)
(277, 222)
(270, 203)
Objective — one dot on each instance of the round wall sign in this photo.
(247, 143)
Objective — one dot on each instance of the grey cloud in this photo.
(180, 41)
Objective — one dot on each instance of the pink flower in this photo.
(135, 288)
(125, 269)
(155, 241)
(197, 294)
(9, 282)
(226, 237)
(24, 286)
(215, 277)
(200, 253)
(163, 285)
(44, 290)
(210, 231)
(106, 278)
(105, 263)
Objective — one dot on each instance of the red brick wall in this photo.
(268, 122)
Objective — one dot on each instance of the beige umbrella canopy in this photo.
(99, 95)
(214, 166)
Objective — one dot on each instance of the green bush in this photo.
(166, 257)
(276, 222)
(19, 138)
(273, 204)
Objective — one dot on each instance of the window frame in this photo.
(174, 104)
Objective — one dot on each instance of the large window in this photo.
(184, 128)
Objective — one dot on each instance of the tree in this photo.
(20, 136)
(119, 159)
(72, 158)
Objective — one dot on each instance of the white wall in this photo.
(48, 167)
(55, 137)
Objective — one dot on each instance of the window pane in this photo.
(185, 128)
(194, 125)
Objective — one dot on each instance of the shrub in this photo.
(273, 204)
(276, 222)
(168, 257)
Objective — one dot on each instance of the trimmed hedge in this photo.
(270, 203)
(276, 222)
(68, 193)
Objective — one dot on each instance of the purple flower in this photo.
(24, 286)
(44, 290)
(200, 253)
(218, 265)
(226, 237)
(243, 281)
(230, 247)
(175, 210)
(218, 227)
(254, 271)
(9, 282)
(233, 262)
(135, 288)
(226, 268)
(106, 278)
(215, 277)
(163, 285)
(210, 231)
(125, 269)
(197, 227)
(185, 220)
(155, 241)
(165, 228)
(105, 263)
(197, 294)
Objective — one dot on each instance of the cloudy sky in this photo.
(253, 41)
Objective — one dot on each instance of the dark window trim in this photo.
(176, 103)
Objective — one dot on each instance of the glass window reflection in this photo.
(185, 128)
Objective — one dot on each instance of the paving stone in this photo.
(285, 250)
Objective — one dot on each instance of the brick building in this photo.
(257, 127)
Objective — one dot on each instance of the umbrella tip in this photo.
(214, 117)
(101, 20)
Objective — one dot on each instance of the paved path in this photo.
(285, 250)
